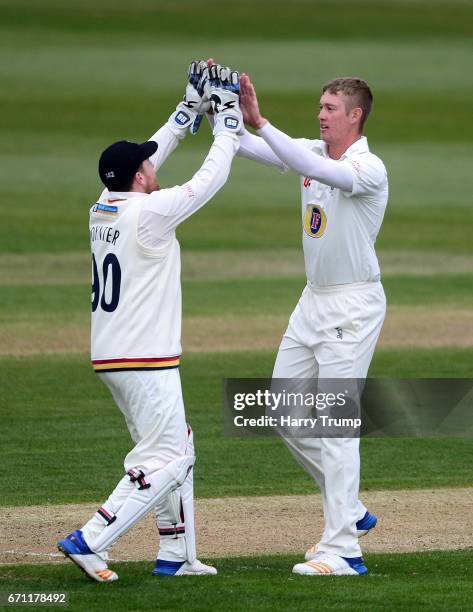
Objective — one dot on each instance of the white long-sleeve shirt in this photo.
(136, 299)
(342, 203)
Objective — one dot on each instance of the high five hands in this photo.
(215, 88)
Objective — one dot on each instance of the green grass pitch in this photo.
(68, 419)
(78, 75)
(431, 581)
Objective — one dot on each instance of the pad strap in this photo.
(107, 516)
(138, 478)
(143, 499)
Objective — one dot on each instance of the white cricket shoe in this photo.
(363, 527)
(182, 568)
(76, 548)
(328, 564)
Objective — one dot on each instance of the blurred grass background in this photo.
(79, 75)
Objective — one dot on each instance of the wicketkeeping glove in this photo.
(195, 91)
(223, 90)
(189, 112)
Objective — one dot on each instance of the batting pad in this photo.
(141, 501)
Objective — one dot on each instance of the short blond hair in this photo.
(356, 91)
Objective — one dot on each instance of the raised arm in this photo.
(166, 209)
(291, 152)
(305, 162)
(186, 116)
(255, 148)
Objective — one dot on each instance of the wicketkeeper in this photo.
(136, 325)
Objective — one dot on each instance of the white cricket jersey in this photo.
(136, 296)
(339, 229)
(136, 267)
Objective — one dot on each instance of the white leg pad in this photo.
(141, 501)
(94, 527)
(177, 512)
(187, 501)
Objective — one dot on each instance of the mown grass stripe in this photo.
(58, 418)
(73, 268)
(405, 327)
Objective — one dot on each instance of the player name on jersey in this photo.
(106, 233)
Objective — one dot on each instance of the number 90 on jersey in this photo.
(106, 285)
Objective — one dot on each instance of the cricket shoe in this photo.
(328, 564)
(182, 568)
(76, 548)
(363, 526)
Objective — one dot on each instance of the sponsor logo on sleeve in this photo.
(356, 165)
(105, 209)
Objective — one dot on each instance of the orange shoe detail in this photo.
(321, 568)
(105, 574)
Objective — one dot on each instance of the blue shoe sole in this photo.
(367, 522)
(68, 548)
(68, 554)
(166, 568)
(357, 564)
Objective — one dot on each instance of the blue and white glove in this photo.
(223, 90)
(195, 92)
(189, 112)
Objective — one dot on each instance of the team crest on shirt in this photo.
(315, 221)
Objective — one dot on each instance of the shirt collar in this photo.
(123, 195)
(359, 146)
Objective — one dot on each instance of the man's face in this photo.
(150, 182)
(334, 121)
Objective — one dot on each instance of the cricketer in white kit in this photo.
(136, 325)
(333, 330)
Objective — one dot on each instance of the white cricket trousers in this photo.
(332, 333)
(153, 407)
